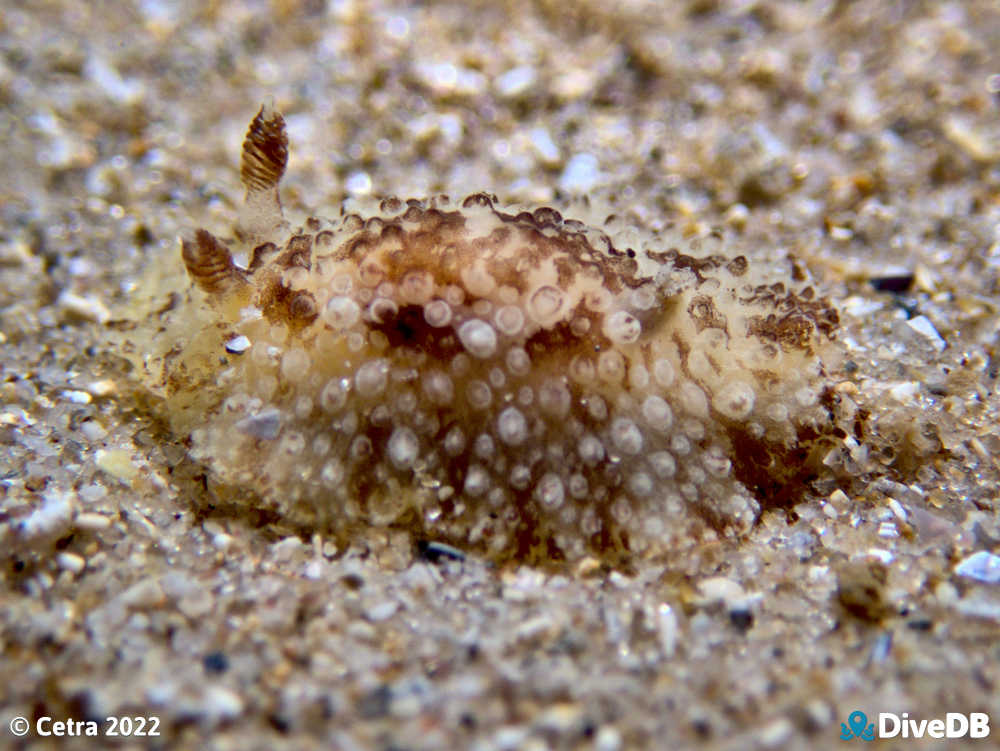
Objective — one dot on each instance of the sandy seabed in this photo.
(861, 137)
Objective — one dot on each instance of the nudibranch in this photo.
(509, 381)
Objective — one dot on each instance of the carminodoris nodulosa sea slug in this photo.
(505, 380)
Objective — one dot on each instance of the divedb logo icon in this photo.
(890, 725)
(857, 727)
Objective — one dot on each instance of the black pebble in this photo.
(216, 662)
(896, 284)
(438, 551)
(741, 619)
